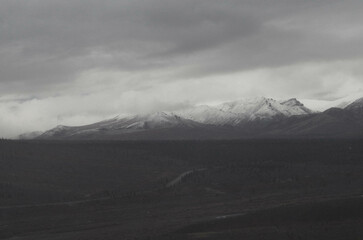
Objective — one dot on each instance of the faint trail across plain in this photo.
(178, 179)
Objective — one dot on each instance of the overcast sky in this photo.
(79, 61)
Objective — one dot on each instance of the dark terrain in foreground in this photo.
(247, 189)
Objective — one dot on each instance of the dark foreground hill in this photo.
(92, 190)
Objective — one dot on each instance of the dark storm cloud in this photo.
(87, 59)
(45, 42)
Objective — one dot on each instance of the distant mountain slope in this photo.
(265, 108)
(209, 115)
(117, 126)
(251, 118)
(242, 111)
(30, 135)
(322, 105)
(356, 107)
(334, 122)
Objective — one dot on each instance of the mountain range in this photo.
(248, 118)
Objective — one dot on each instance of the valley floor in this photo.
(252, 189)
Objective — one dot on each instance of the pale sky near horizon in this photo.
(80, 61)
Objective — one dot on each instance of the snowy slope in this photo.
(233, 113)
(356, 108)
(356, 105)
(154, 120)
(264, 108)
(227, 114)
(209, 115)
(322, 105)
(295, 107)
(117, 125)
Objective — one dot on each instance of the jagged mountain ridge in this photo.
(239, 112)
(253, 118)
(203, 119)
(265, 108)
(332, 123)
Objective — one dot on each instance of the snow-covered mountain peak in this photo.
(56, 131)
(243, 106)
(157, 116)
(292, 102)
(234, 113)
(262, 108)
(60, 128)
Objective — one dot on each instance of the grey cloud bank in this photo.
(74, 62)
